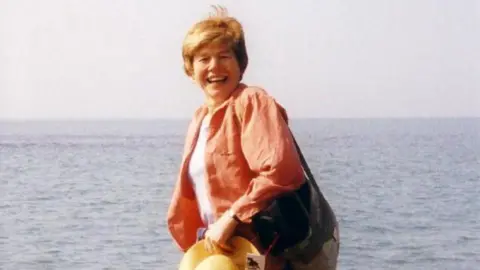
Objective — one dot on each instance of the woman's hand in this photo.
(219, 233)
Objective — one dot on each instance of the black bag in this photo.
(297, 224)
(284, 223)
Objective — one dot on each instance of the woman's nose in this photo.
(214, 63)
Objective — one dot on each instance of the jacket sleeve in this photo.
(270, 153)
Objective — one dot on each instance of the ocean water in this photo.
(93, 195)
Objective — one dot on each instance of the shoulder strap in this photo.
(305, 166)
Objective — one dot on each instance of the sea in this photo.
(94, 194)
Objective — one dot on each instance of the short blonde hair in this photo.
(217, 28)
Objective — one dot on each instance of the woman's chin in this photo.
(218, 94)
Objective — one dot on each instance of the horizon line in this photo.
(116, 119)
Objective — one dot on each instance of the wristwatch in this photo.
(231, 214)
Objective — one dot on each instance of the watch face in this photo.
(232, 215)
(201, 233)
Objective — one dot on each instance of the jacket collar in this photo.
(203, 110)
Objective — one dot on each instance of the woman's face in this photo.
(216, 71)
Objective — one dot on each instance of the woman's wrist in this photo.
(233, 216)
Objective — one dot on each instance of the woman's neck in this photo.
(212, 104)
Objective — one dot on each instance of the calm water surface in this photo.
(93, 195)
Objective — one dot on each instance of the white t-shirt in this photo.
(196, 171)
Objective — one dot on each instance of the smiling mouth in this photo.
(217, 79)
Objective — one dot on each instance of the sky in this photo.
(98, 59)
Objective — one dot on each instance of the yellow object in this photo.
(197, 256)
(217, 262)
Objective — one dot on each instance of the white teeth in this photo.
(216, 79)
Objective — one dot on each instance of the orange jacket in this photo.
(250, 158)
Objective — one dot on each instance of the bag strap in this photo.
(305, 166)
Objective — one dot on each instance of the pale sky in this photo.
(67, 59)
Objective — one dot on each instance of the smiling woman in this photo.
(216, 71)
(215, 56)
(239, 153)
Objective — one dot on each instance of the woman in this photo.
(239, 153)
